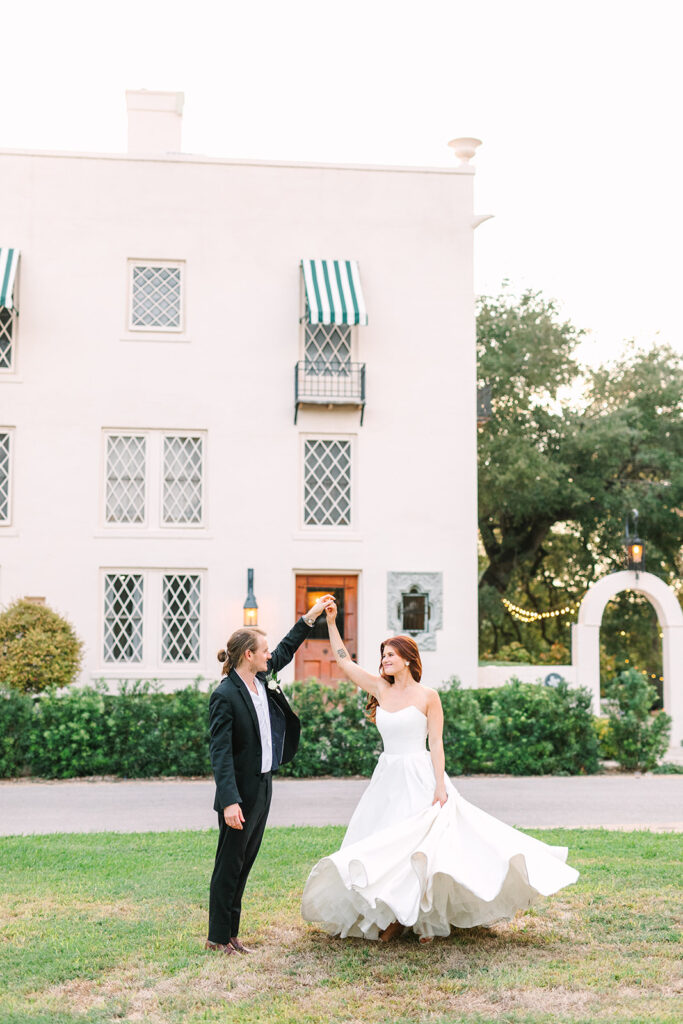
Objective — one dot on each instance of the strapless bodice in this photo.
(403, 732)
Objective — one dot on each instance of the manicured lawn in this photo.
(104, 928)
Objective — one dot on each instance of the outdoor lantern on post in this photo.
(250, 605)
(635, 547)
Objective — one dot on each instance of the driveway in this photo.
(607, 801)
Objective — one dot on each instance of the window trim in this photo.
(201, 525)
(8, 522)
(151, 663)
(154, 482)
(160, 652)
(310, 529)
(137, 330)
(130, 665)
(135, 526)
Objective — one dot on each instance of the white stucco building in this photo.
(177, 405)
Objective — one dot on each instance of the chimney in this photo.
(154, 121)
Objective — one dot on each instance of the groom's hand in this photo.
(233, 816)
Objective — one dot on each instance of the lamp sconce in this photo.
(634, 545)
(250, 605)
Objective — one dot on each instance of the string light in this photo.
(527, 615)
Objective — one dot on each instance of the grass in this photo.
(102, 928)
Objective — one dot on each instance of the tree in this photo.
(564, 456)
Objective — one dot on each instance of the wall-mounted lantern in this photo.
(250, 605)
(483, 404)
(634, 545)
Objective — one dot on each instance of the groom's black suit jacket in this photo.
(235, 740)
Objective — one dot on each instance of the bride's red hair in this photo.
(407, 649)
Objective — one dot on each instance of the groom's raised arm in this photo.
(288, 646)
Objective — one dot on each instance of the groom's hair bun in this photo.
(222, 656)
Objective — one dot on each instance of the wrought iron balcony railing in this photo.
(318, 382)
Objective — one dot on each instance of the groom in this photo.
(253, 731)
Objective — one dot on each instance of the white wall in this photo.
(242, 230)
(499, 675)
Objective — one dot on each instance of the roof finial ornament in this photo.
(465, 149)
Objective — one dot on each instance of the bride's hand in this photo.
(440, 796)
(331, 611)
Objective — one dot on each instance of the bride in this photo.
(416, 854)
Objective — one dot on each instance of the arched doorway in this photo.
(586, 640)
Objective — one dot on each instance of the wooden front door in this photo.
(315, 659)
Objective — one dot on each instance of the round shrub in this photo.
(543, 730)
(38, 648)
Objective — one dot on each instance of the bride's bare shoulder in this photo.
(432, 696)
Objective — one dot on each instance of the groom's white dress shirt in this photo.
(260, 700)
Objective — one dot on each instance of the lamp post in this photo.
(250, 605)
(635, 547)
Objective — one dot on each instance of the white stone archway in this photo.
(586, 640)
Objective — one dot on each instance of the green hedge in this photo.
(519, 728)
(135, 734)
(16, 719)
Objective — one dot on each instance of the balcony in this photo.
(331, 383)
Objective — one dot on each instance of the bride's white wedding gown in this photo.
(429, 867)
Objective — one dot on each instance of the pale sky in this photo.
(578, 106)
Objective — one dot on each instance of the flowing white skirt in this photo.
(430, 867)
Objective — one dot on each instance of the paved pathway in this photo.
(609, 801)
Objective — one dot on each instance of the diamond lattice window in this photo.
(156, 297)
(4, 477)
(7, 321)
(181, 607)
(126, 458)
(328, 349)
(123, 610)
(327, 483)
(182, 501)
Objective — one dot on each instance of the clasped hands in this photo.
(321, 605)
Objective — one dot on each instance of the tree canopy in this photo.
(567, 452)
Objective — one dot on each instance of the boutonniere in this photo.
(273, 683)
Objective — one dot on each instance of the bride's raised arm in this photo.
(365, 680)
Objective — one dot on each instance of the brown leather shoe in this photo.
(219, 947)
(238, 946)
(392, 931)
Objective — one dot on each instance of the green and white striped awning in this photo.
(9, 258)
(333, 292)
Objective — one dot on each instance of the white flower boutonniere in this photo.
(274, 685)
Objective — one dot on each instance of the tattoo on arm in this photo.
(342, 653)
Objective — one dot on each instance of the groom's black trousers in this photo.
(237, 849)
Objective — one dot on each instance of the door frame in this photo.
(334, 572)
